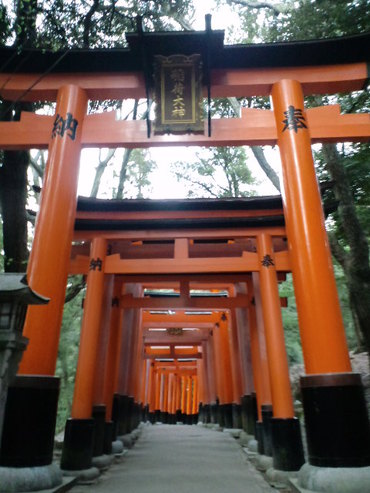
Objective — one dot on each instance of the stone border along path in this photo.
(181, 459)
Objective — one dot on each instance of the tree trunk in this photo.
(13, 197)
(123, 174)
(356, 260)
(100, 171)
(269, 171)
(13, 173)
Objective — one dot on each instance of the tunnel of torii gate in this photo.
(182, 314)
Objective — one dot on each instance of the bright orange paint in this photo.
(152, 388)
(322, 333)
(225, 82)
(235, 358)
(157, 391)
(255, 127)
(189, 395)
(194, 409)
(222, 361)
(258, 349)
(282, 402)
(103, 343)
(183, 394)
(84, 383)
(210, 370)
(49, 261)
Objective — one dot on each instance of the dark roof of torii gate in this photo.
(266, 211)
(351, 49)
(111, 207)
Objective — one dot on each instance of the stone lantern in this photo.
(15, 296)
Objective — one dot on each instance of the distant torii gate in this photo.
(329, 384)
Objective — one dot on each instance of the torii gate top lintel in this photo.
(322, 66)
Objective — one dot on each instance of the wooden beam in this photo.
(224, 83)
(255, 127)
(170, 234)
(248, 262)
(179, 214)
(177, 355)
(169, 324)
(201, 303)
(187, 339)
(201, 329)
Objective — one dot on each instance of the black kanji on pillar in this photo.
(96, 264)
(267, 261)
(294, 119)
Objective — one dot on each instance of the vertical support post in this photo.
(189, 398)
(136, 372)
(208, 355)
(164, 417)
(157, 411)
(49, 260)
(337, 425)
(170, 398)
(145, 390)
(194, 410)
(113, 350)
(287, 448)
(47, 274)
(103, 430)
(183, 398)
(178, 398)
(226, 370)
(121, 406)
(202, 392)
(152, 392)
(260, 367)
(236, 370)
(322, 333)
(161, 394)
(248, 400)
(79, 432)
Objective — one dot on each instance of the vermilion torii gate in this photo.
(286, 72)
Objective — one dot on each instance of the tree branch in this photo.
(73, 290)
(355, 235)
(33, 162)
(258, 151)
(99, 172)
(87, 23)
(337, 250)
(260, 5)
(269, 171)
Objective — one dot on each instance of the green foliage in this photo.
(218, 172)
(345, 306)
(67, 356)
(290, 322)
(290, 317)
(310, 19)
(139, 168)
(4, 24)
(356, 162)
(93, 23)
(2, 251)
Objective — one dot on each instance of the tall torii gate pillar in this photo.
(337, 424)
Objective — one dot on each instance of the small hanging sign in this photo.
(175, 331)
(178, 95)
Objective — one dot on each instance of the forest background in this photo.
(344, 170)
